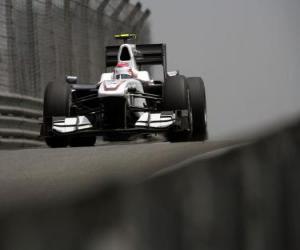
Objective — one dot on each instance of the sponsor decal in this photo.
(114, 85)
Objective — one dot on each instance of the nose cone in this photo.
(113, 88)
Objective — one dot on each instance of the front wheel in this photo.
(196, 120)
(56, 103)
(197, 108)
(176, 99)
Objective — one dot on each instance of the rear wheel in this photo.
(197, 108)
(56, 103)
(175, 93)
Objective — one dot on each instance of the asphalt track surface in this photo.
(53, 175)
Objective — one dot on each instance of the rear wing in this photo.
(148, 54)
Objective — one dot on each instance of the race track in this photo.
(50, 175)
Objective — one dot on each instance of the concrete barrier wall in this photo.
(247, 198)
(20, 121)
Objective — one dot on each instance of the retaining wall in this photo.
(247, 198)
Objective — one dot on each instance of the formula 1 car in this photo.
(125, 102)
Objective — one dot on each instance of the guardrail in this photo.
(20, 118)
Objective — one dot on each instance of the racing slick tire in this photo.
(56, 103)
(197, 108)
(176, 97)
(87, 141)
(175, 93)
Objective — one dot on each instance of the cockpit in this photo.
(123, 71)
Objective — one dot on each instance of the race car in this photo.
(126, 102)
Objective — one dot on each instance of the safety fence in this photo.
(43, 40)
(20, 121)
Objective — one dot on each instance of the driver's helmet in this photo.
(123, 71)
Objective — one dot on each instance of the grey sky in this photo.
(247, 52)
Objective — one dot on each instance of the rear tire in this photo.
(56, 103)
(198, 108)
(175, 93)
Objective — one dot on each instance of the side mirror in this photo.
(71, 79)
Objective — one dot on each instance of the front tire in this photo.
(175, 99)
(56, 103)
(198, 108)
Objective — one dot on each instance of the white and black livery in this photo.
(126, 101)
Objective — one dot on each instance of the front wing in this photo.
(147, 123)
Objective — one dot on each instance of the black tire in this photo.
(116, 137)
(176, 98)
(56, 103)
(175, 93)
(88, 141)
(198, 107)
